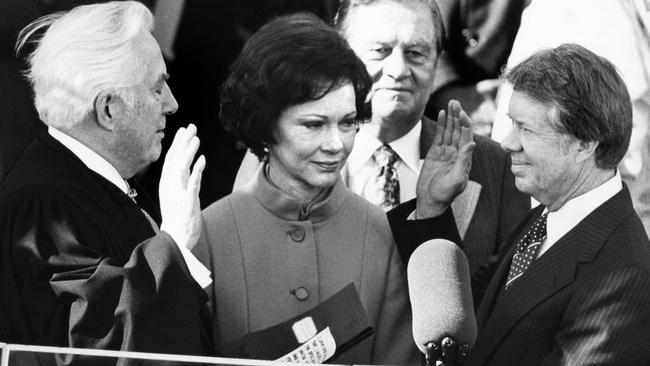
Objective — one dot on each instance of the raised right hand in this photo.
(179, 189)
(445, 171)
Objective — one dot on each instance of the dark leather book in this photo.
(343, 313)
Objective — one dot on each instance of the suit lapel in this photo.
(552, 271)
(464, 205)
(499, 277)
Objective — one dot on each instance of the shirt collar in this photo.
(407, 148)
(576, 209)
(90, 158)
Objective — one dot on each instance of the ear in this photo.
(586, 149)
(109, 106)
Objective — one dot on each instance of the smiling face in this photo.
(313, 141)
(545, 162)
(396, 43)
(140, 128)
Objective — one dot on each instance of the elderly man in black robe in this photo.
(83, 261)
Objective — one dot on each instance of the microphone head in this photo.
(441, 294)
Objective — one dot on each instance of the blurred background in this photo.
(200, 39)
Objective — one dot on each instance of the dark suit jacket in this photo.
(484, 214)
(81, 266)
(585, 301)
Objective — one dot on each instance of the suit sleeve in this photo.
(409, 234)
(63, 287)
(607, 322)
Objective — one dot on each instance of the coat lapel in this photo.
(464, 205)
(552, 271)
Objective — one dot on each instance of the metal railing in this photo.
(17, 354)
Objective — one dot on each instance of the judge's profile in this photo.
(86, 259)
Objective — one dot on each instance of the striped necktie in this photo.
(527, 249)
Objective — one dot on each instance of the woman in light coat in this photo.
(295, 235)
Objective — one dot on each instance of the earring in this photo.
(265, 149)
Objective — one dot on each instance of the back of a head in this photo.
(346, 6)
(588, 97)
(290, 60)
(82, 52)
(440, 292)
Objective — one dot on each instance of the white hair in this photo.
(84, 52)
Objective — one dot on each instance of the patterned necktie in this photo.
(382, 189)
(527, 249)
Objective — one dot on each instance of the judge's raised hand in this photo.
(179, 189)
(445, 171)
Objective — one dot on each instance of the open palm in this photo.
(445, 171)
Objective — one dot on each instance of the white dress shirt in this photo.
(102, 167)
(360, 166)
(576, 209)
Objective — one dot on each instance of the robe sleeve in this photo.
(64, 283)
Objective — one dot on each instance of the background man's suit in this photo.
(81, 265)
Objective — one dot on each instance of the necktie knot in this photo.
(385, 156)
(537, 232)
(527, 249)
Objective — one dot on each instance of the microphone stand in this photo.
(448, 353)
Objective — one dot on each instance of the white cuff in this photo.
(198, 271)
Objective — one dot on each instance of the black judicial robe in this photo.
(82, 267)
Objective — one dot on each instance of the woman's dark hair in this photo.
(290, 60)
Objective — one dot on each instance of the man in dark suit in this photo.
(571, 285)
(584, 298)
(400, 41)
(83, 262)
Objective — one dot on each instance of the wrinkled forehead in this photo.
(363, 7)
(369, 19)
